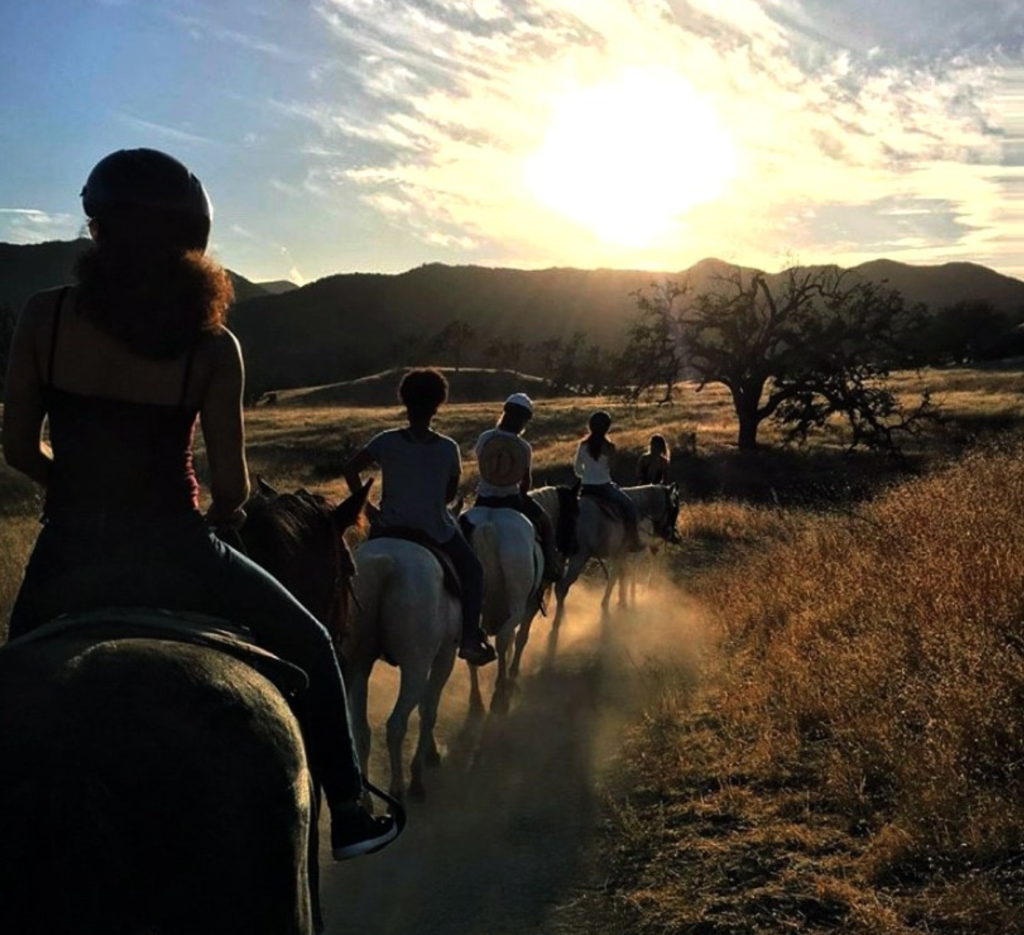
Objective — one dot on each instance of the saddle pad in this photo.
(110, 623)
(609, 507)
(452, 582)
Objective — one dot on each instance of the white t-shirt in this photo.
(415, 476)
(589, 470)
(485, 488)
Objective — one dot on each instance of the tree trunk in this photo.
(746, 415)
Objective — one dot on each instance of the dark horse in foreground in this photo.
(155, 787)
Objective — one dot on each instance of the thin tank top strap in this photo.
(62, 295)
(187, 373)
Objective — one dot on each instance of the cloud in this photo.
(162, 131)
(836, 142)
(30, 225)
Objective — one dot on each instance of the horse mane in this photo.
(290, 520)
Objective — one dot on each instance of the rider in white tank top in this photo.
(590, 471)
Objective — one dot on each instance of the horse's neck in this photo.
(649, 499)
(547, 497)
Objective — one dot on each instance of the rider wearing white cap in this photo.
(505, 460)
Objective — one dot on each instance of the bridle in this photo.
(664, 525)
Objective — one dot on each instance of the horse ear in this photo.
(347, 512)
(264, 488)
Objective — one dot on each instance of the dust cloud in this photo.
(506, 840)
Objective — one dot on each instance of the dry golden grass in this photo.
(862, 732)
(854, 760)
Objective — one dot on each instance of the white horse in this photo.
(407, 617)
(601, 534)
(506, 544)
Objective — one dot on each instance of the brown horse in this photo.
(155, 787)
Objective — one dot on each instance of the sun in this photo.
(628, 158)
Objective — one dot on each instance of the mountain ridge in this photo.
(348, 325)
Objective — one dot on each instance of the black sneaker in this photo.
(477, 650)
(355, 832)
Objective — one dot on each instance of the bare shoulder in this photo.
(40, 307)
(220, 349)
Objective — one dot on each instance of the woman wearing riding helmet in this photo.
(593, 465)
(124, 364)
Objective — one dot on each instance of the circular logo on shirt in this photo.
(503, 461)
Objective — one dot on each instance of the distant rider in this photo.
(652, 468)
(593, 465)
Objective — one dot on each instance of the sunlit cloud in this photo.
(835, 151)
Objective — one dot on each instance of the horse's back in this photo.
(598, 534)
(404, 607)
(505, 542)
(148, 786)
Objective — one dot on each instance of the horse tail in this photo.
(371, 582)
(487, 549)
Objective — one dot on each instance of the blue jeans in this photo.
(177, 563)
(620, 498)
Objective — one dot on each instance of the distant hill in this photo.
(466, 385)
(352, 324)
(28, 268)
(276, 286)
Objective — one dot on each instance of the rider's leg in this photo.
(553, 569)
(630, 516)
(251, 596)
(473, 645)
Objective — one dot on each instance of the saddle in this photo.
(194, 629)
(450, 577)
(610, 508)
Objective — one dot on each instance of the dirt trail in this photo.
(505, 842)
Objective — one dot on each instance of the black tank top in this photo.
(115, 455)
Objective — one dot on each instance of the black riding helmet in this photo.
(150, 180)
(599, 422)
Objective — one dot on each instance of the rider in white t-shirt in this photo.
(420, 471)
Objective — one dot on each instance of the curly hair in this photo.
(423, 391)
(139, 284)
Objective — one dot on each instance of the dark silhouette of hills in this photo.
(277, 286)
(27, 268)
(353, 324)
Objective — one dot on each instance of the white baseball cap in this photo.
(521, 400)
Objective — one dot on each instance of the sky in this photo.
(342, 136)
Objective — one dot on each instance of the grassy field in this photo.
(853, 760)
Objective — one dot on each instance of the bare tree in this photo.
(454, 337)
(653, 356)
(505, 353)
(818, 343)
